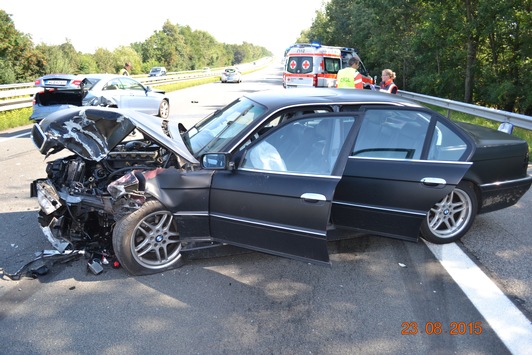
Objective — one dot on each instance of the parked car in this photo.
(281, 172)
(108, 90)
(231, 75)
(157, 71)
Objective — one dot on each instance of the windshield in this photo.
(210, 134)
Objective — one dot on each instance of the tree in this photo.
(126, 54)
(105, 61)
(19, 61)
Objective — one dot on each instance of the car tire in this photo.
(147, 241)
(164, 109)
(451, 218)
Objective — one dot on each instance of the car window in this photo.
(446, 145)
(332, 65)
(112, 85)
(307, 146)
(281, 117)
(393, 134)
(299, 65)
(130, 84)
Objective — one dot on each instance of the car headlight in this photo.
(47, 197)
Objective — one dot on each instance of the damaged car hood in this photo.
(92, 133)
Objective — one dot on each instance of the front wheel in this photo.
(451, 218)
(147, 240)
(164, 109)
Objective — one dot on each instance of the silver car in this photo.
(107, 90)
(231, 75)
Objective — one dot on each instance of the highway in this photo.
(380, 296)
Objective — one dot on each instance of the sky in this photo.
(274, 24)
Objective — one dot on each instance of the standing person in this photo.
(125, 69)
(350, 77)
(387, 84)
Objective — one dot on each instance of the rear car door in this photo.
(403, 162)
(278, 200)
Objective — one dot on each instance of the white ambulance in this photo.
(311, 65)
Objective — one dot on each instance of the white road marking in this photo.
(512, 327)
(2, 140)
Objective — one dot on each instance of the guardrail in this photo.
(16, 96)
(515, 119)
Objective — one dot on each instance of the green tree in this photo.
(105, 61)
(125, 54)
(19, 61)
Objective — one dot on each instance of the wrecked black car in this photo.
(274, 171)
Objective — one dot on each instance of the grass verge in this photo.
(15, 118)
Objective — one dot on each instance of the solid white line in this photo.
(512, 327)
(17, 136)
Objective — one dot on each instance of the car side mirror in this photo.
(216, 161)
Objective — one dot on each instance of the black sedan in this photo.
(281, 172)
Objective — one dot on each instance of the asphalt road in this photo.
(380, 296)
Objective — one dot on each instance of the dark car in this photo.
(281, 172)
(107, 90)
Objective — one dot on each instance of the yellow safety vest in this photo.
(346, 78)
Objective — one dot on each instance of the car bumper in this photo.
(499, 195)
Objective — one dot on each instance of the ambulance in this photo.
(311, 65)
(314, 65)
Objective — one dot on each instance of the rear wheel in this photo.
(164, 109)
(147, 240)
(451, 218)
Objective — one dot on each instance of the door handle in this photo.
(432, 181)
(313, 197)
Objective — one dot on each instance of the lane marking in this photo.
(512, 327)
(16, 136)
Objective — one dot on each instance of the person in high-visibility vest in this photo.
(350, 77)
(125, 69)
(387, 84)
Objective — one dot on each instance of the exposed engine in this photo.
(86, 217)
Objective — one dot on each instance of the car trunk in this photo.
(59, 97)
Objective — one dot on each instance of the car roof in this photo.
(105, 76)
(279, 98)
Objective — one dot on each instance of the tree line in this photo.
(175, 47)
(476, 51)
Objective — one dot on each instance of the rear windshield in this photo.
(299, 65)
(88, 83)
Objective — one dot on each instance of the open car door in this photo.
(278, 200)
